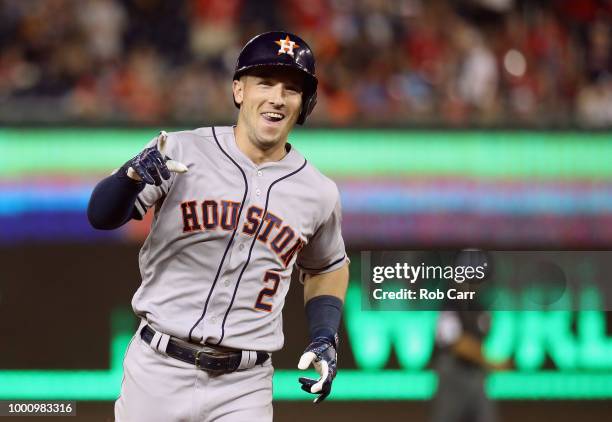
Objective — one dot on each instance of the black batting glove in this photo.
(323, 356)
(149, 165)
(152, 165)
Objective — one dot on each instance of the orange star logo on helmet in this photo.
(286, 46)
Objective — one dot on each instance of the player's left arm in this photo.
(323, 298)
(323, 265)
(333, 283)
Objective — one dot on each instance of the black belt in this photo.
(217, 361)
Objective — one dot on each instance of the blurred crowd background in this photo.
(380, 62)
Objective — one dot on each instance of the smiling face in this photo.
(270, 100)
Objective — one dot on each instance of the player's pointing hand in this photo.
(152, 165)
(172, 165)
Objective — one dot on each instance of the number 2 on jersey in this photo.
(267, 292)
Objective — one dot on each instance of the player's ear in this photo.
(238, 90)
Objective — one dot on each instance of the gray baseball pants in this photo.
(157, 387)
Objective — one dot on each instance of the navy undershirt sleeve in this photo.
(112, 201)
(323, 313)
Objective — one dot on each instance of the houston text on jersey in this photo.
(213, 215)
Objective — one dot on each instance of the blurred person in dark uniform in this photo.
(462, 368)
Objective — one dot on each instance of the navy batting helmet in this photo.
(279, 48)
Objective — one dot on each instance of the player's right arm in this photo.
(113, 201)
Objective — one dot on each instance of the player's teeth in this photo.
(274, 115)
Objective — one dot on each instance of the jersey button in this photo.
(241, 246)
(257, 192)
(213, 320)
(226, 282)
(259, 173)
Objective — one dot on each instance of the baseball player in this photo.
(235, 209)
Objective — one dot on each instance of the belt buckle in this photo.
(197, 360)
(211, 371)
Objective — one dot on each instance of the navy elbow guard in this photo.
(112, 201)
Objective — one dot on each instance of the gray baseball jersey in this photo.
(225, 236)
